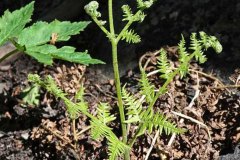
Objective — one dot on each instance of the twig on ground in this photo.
(152, 144)
(83, 130)
(227, 86)
(103, 92)
(59, 136)
(195, 121)
(189, 106)
(148, 60)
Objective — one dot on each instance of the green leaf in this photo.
(133, 106)
(41, 32)
(116, 147)
(42, 58)
(80, 93)
(104, 114)
(164, 65)
(147, 88)
(131, 37)
(41, 53)
(31, 95)
(46, 53)
(152, 121)
(68, 53)
(12, 23)
(127, 13)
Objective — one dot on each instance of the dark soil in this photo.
(22, 132)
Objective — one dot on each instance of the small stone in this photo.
(2, 134)
(25, 136)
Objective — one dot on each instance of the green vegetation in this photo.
(38, 39)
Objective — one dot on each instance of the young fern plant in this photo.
(146, 118)
(98, 123)
(129, 35)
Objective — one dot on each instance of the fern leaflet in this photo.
(147, 88)
(158, 121)
(164, 65)
(196, 46)
(134, 107)
(131, 37)
(183, 58)
(127, 13)
(103, 113)
(116, 148)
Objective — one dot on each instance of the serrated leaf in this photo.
(104, 114)
(131, 37)
(46, 53)
(164, 65)
(68, 54)
(147, 88)
(31, 95)
(12, 23)
(42, 58)
(41, 53)
(116, 147)
(80, 93)
(127, 13)
(41, 32)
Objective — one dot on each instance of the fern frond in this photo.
(164, 65)
(196, 46)
(210, 41)
(131, 37)
(183, 55)
(183, 58)
(80, 93)
(140, 4)
(204, 40)
(215, 44)
(116, 147)
(74, 110)
(103, 113)
(158, 121)
(147, 88)
(92, 9)
(134, 107)
(98, 129)
(49, 84)
(127, 13)
(139, 16)
(183, 69)
(144, 4)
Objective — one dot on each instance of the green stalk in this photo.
(114, 44)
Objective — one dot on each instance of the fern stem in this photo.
(119, 96)
(110, 16)
(8, 55)
(114, 44)
(101, 27)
